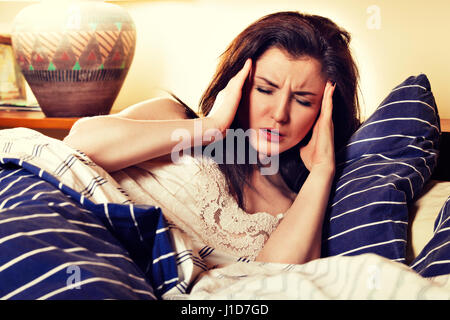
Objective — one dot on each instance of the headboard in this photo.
(442, 171)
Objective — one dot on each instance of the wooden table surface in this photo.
(33, 120)
(445, 125)
(37, 120)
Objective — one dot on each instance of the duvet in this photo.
(68, 231)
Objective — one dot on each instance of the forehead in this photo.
(278, 65)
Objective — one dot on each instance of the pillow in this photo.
(434, 259)
(383, 167)
(50, 242)
(422, 216)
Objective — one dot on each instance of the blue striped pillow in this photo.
(434, 259)
(54, 247)
(383, 167)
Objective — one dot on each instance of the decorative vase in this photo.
(74, 55)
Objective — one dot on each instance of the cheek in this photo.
(250, 110)
(303, 122)
(256, 108)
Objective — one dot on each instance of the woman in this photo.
(289, 79)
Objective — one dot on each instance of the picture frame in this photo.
(13, 87)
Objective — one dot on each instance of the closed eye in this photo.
(262, 90)
(268, 91)
(303, 103)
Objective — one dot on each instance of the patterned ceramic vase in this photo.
(74, 55)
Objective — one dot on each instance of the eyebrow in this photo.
(302, 93)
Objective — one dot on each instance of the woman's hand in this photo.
(319, 152)
(227, 100)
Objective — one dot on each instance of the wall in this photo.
(179, 42)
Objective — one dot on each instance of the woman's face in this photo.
(284, 97)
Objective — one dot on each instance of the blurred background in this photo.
(179, 42)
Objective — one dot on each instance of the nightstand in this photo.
(54, 127)
(445, 125)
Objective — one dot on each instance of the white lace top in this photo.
(193, 195)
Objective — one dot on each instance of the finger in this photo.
(243, 73)
(239, 78)
(233, 90)
(327, 101)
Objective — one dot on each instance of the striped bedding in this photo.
(434, 259)
(382, 169)
(68, 231)
(363, 277)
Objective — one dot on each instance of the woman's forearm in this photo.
(115, 142)
(297, 238)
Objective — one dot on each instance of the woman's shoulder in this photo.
(162, 108)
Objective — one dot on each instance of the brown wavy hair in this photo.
(299, 35)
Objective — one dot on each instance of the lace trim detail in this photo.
(224, 225)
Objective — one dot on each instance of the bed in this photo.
(69, 231)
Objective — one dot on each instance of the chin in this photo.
(265, 149)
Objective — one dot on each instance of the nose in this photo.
(281, 111)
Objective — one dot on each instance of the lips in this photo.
(270, 134)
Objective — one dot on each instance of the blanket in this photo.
(366, 276)
(68, 231)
